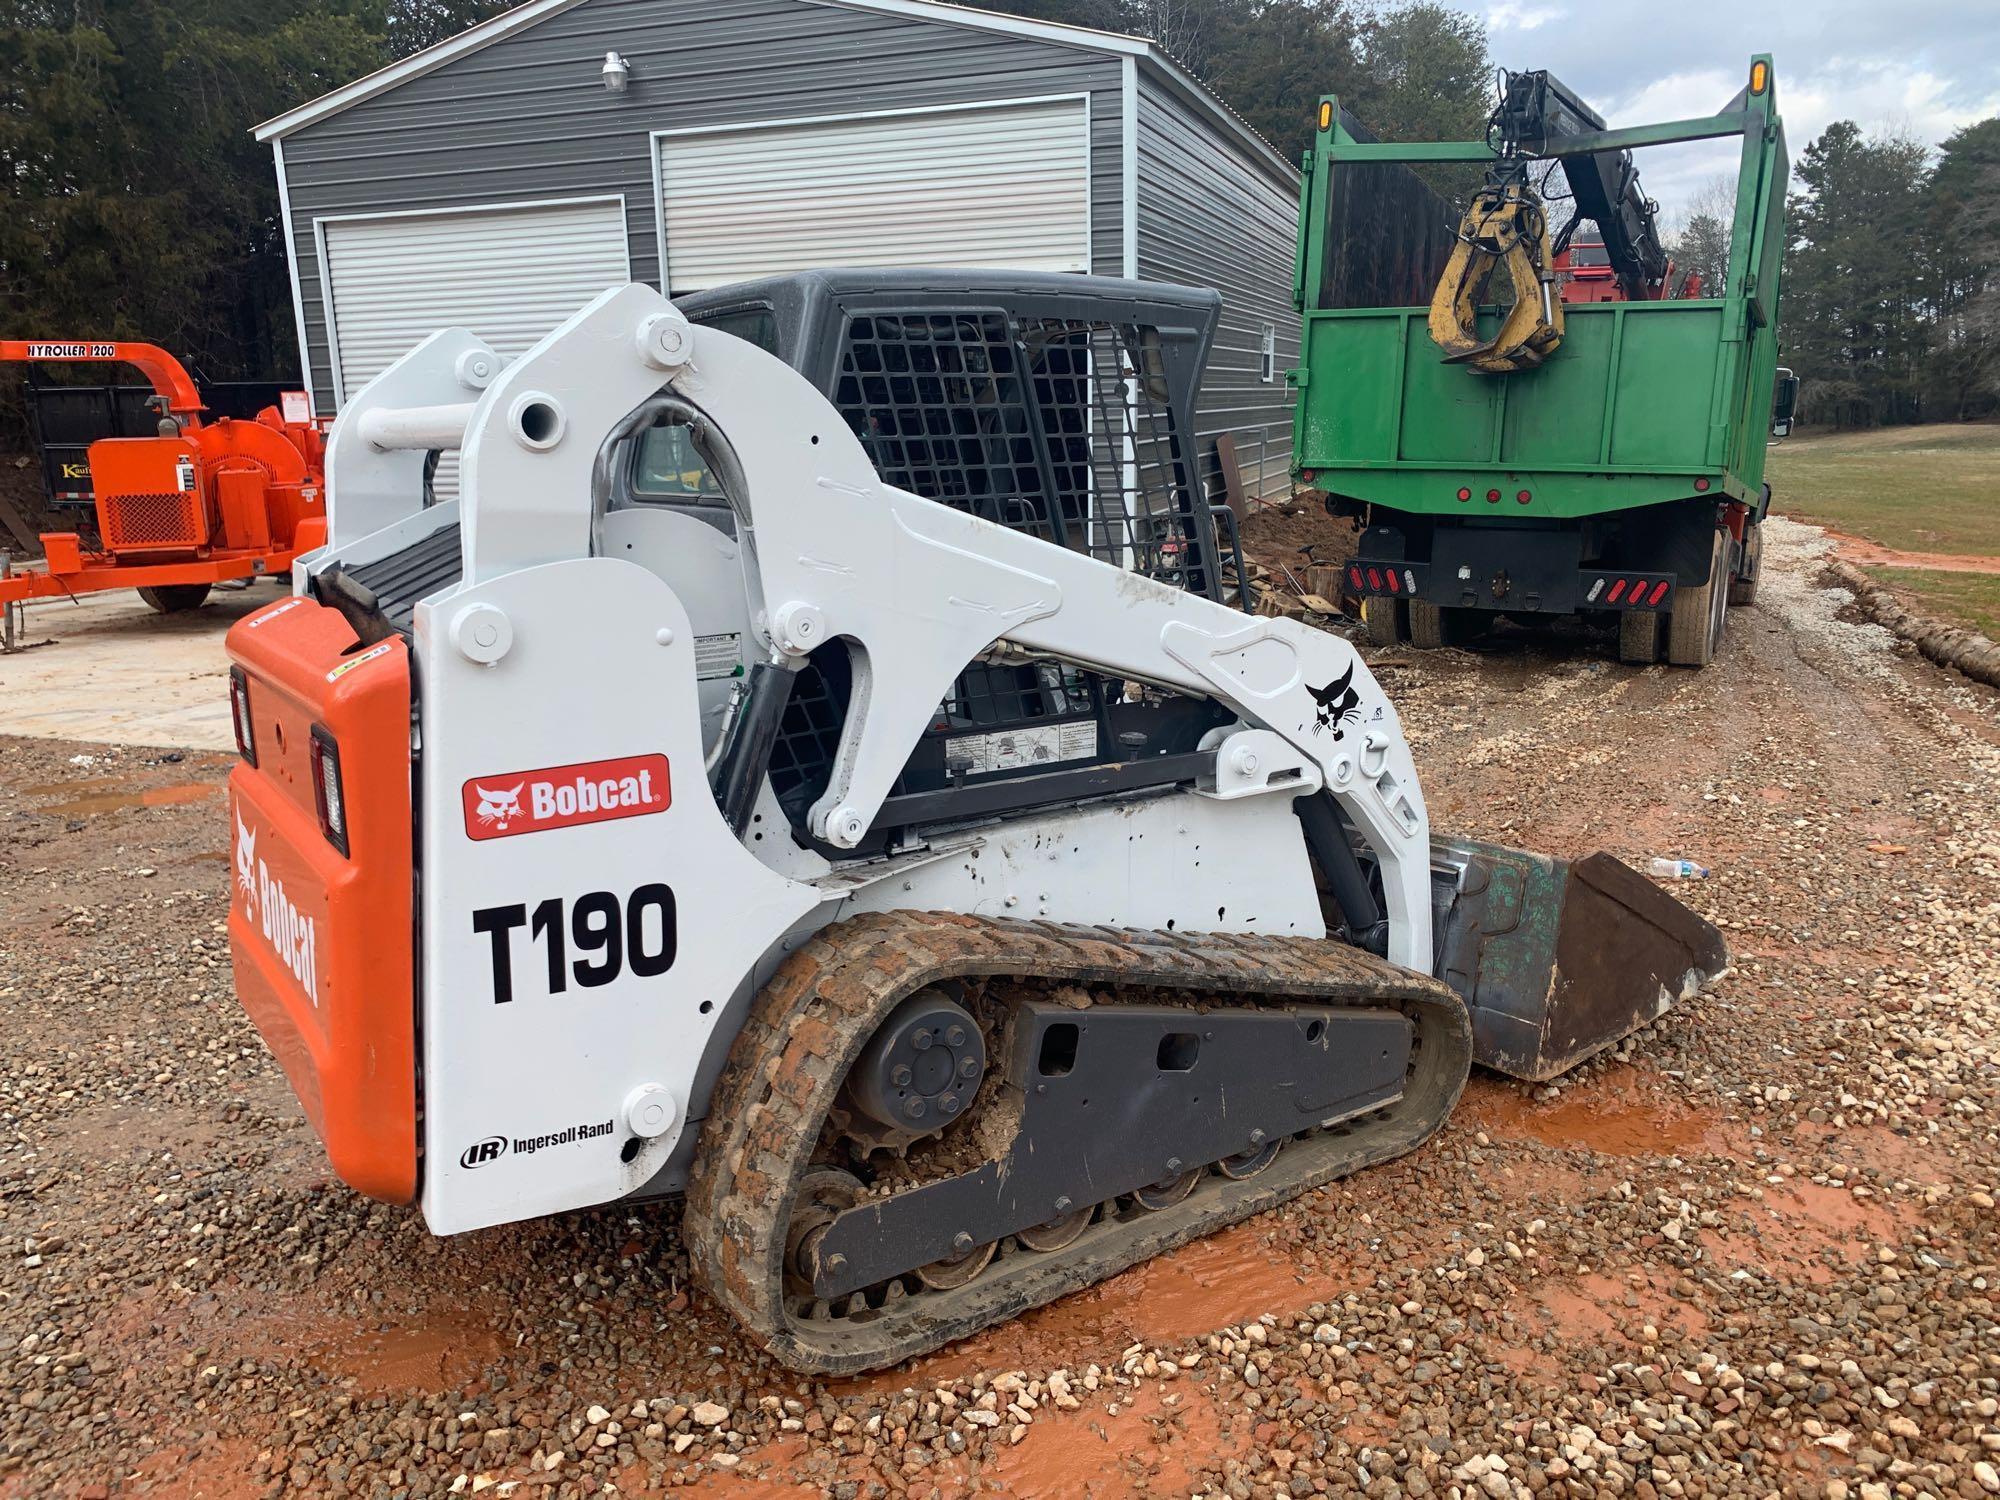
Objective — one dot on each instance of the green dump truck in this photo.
(1621, 472)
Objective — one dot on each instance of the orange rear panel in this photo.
(323, 942)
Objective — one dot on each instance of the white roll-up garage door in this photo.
(991, 185)
(509, 273)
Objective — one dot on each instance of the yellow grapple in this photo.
(1505, 226)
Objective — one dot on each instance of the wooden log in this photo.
(1233, 492)
(1948, 645)
(17, 526)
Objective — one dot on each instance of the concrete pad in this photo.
(106, 668)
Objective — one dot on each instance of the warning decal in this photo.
(718, 656)
(1011, 749)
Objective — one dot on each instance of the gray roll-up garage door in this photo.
(508, 273)
(993, 185)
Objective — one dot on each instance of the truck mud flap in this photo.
(1557, 960)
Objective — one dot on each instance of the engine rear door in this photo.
(321, 936)
(587, 914)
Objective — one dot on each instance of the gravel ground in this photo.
(1749, 1254)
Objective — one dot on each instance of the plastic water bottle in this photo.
(1676, 869)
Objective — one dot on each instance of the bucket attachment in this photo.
(1559, 960)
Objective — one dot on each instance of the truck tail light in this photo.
(239, 713)
(328, 798)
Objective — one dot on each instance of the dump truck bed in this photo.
(1636, 408)
(1644, 402)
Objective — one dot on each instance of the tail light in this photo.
(328, 798)
(239, 713)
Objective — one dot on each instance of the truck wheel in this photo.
(1433, 626)
(1382, 620)
(1695, 629)
(1743, 587)
(1639, 637)
(175, 598)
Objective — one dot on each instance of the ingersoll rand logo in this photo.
(480, 1153)
(562, 796)
(293, 935)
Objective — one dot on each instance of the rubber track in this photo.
(810, 1022)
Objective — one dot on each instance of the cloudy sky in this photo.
(1921, 66)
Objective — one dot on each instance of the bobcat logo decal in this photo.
(498, 809)
(246, 864)
(1337, 703)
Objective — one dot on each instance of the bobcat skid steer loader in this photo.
(809, 765)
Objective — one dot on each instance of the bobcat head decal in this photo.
(246, 863)
(499, 808)
(1337, 702)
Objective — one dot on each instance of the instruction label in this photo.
(184, 474)
(1010, 749)
(718, 656)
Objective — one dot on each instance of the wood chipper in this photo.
(194, 504)
(956, 899)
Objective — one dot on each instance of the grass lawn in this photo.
(1971, 598)
(1922, 489)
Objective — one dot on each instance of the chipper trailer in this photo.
(1508, 450)
(811, 767)
(194, 504)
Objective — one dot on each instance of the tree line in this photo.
(1892, 281)
(139, 206)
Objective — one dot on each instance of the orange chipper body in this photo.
(196, 504)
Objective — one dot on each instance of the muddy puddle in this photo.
(1226, 1278)
(93, 796)
(430, 1349)
(1618, 1114)
(1603, 1309)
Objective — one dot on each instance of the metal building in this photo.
(501, 178)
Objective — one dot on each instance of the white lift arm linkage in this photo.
(560, 646)
(917, 588)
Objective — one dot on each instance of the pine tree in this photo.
(1856, 328)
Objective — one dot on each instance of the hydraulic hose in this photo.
(1326, 836)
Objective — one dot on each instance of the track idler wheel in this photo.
(824, 1194)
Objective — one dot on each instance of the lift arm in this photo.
(160, 368)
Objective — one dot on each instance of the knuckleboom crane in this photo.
(1506, 227)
